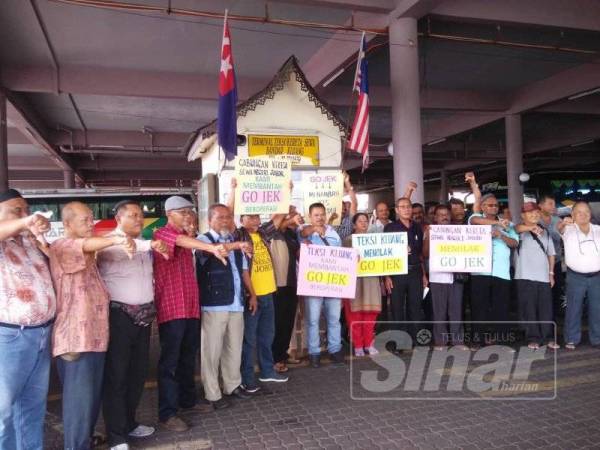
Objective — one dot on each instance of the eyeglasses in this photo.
(183, 212)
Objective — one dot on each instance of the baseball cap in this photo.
(529, 207)
(177, 202)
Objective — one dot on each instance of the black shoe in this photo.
(338, 357)
(222, 403)
(315, 361)
(240, 393)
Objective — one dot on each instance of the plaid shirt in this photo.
(175, 285)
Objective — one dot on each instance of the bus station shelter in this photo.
(112, 93)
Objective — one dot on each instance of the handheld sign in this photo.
(460, 248)
(325, 187)
(381, 253)
(327, 271)
(263, 186)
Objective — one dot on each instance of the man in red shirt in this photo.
(178, 312)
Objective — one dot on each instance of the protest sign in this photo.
(325, 187)
(460, 248)
(381, 253)
(263, 186)
(327, 271)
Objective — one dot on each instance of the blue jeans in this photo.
(82, 392)
(259, 331)
(578, 287)
(312, 310)
(24, 375)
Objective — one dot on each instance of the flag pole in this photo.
(350, 107)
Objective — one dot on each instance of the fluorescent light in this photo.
(584, 94)
(333, 77)
(437, 141)
(579, 144)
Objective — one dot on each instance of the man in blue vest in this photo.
(222, 289)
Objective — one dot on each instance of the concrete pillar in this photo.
(69, 179)
(514, 164)
(3, 144)
(443, 187)
(406, 106)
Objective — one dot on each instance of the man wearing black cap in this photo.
(27, 310)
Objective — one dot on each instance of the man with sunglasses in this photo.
(581, 241)
(490, 292)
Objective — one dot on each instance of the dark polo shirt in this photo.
(415, 240)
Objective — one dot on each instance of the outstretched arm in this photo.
(350, 190)
(470, 178)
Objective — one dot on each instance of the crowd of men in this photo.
(230, 294)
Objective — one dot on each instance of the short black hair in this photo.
(441, 206)
(212, 208)
(546, 196)
(417, 205)
(124, 204)
(456, 201)
(316, 205)
(357, 215)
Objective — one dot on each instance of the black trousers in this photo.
(490, 297)
(179, 343)
(447, 306)
(285, 302)
(125, 371)
(535, 304)
(557, 291)
(406, 297)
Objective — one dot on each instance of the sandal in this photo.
(280, 367)
(533, 345)
(554, 346)
(570, 346)
(291, 360)
(97, 440)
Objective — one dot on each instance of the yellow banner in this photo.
(299, 150)
(471, 249)
(370, 267)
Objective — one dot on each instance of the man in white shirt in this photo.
(129, 282)
(581, 240)
(446, 294)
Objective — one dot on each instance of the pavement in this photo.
(315, 410)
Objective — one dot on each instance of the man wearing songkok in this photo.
(27, 309)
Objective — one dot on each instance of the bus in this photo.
(102, 201)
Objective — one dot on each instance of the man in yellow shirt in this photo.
(259, 326)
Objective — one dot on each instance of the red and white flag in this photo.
(359, 139)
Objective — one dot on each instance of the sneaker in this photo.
(250, 389)
(174, 423)
(239, 393)
(123, 446)
(142, 431)
(222, 403)
(372, 351)
(338, 358)
(202, 406)
(275, 378)
(315, 361)
(359, 352)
